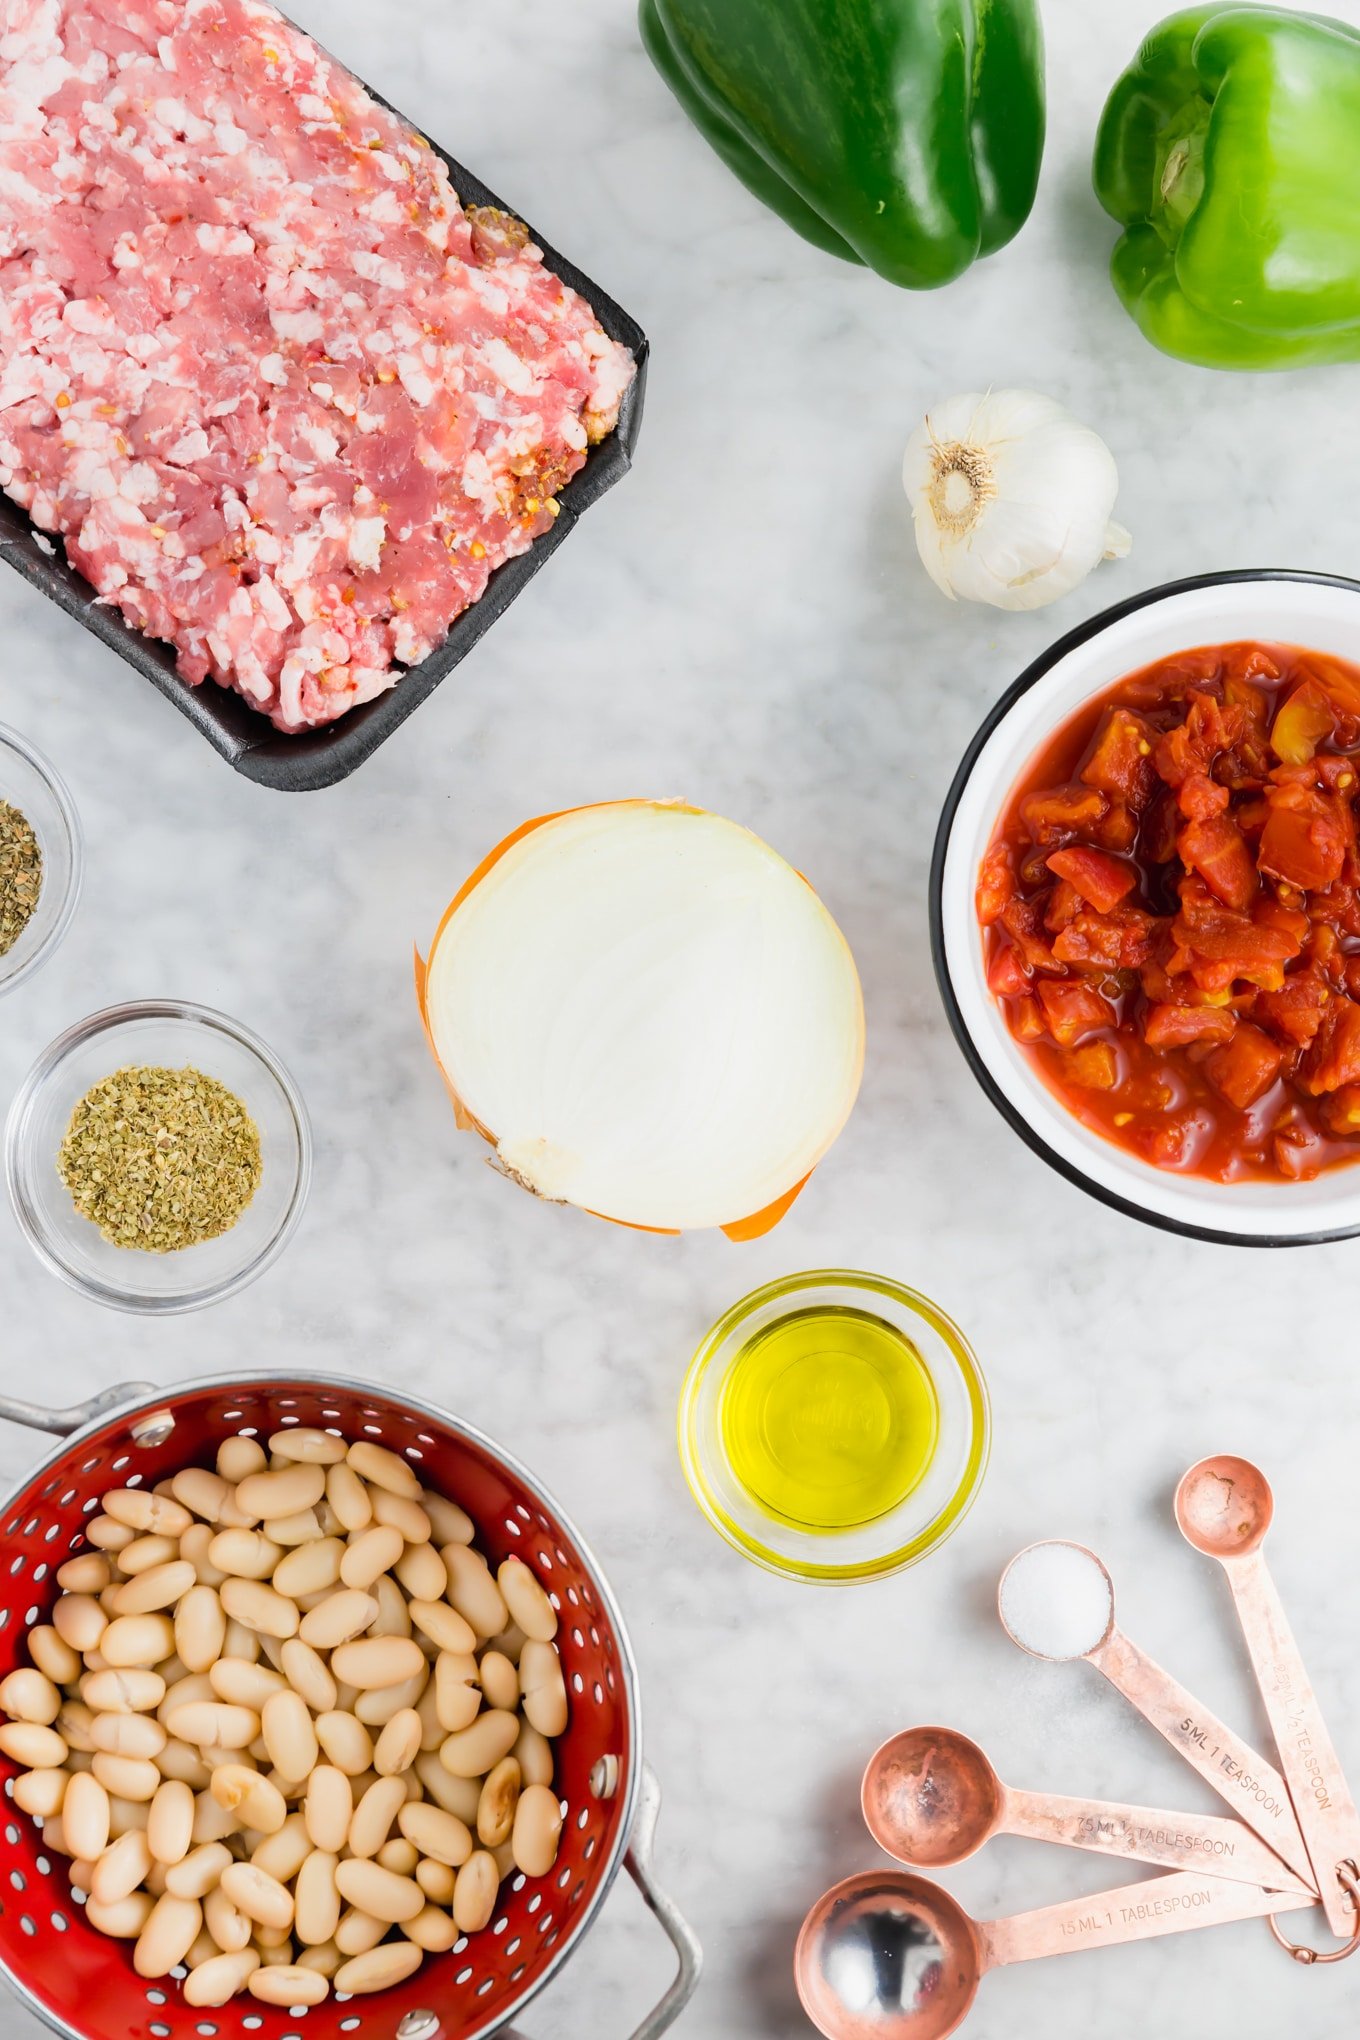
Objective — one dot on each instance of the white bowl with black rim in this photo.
(1320, 612)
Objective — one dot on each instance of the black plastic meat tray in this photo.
(316, 758)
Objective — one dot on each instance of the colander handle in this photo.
(678, 1929)
(35, 1417)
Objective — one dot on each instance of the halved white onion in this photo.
(649, 1014)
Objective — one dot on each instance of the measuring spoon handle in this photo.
(1175, 1904)
(1322, 1800)
(1144, 1834)
(1255, 1791)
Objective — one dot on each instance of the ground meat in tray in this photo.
(287, 401)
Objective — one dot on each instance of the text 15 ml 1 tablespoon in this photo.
(1057, 1602)
(931, 1798)
(889, 1956)
(1224, 1508)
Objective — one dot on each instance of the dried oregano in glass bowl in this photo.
(212, 1104)
(160, 1159)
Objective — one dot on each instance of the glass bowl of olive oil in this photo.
(835, 1426)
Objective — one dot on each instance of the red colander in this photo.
(83, 1985)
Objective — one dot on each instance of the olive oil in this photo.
(829, 1418)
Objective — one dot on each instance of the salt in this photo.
(1056, 1600)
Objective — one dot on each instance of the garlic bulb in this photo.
(1011, 498)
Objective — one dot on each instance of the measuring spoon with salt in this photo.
(931, 1798)
(888, 1956)
(1224, 1507)
(1057, 1602)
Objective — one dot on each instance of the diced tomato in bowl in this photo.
(1101, 880)
(1170, 908)
(1244, 1067)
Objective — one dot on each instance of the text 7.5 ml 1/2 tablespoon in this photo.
(931, 1799)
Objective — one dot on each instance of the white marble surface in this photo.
(744, 622)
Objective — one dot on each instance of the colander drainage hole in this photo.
(161, 2032)
(60, 1922)
(18, 1880)
(27, 1924)
(155, 1997)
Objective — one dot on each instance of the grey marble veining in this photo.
(744, 622)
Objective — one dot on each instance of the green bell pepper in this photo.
(1229, 151)
(905, 134)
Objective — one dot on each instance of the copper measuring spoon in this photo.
(1224, 1507)
(931, 1798)
(888, 1956)
(1252, 1787)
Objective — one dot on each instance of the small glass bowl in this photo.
(919, 1523)
(29, 783)
(164, 1033)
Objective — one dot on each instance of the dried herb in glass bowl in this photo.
(20, 874)
(160, 1159)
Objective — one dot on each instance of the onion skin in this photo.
(739, 1230)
